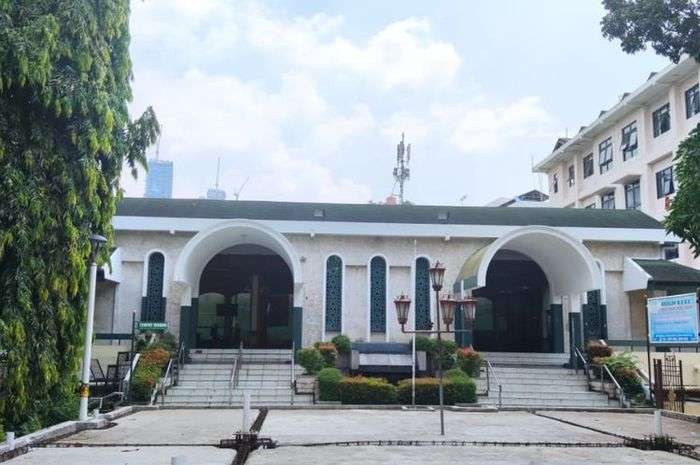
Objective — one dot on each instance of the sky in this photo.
(307, 99)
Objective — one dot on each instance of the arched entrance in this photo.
(240, 281)
(245, 295)
(521, 280)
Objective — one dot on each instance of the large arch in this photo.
(568, 264)
(209, 242)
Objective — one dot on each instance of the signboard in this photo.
(673, 319)
(152, 326)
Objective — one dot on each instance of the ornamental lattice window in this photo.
(334, 293)
(155, 303)
(377, 295)
(422, 297)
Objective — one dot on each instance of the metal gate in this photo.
(669, 393)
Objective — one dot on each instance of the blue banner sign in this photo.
(673, 319)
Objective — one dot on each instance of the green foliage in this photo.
(342, 344)
(311, 359)
(149, 369)
(683, 219)
(624, 368)
(328, 352)
(65, 135)
(469, 361)
(328, 384)
(672, 28)
(367, 391)
(458, 388)
(457, 373)
(426, 344)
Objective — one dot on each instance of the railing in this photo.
(170, 377)
(491, 373)
(235, 370)
(579, 359)
(98, 402)
(125, 383)
(293, 381)
(641, 344)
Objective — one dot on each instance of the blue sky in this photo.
(308, 99)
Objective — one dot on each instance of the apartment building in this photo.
(624, 159)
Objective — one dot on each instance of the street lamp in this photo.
(96, 243)
(448, 305)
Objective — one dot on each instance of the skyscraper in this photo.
(159, 180)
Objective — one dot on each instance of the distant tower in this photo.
(216, 193)
(401, 171)
(159, 179)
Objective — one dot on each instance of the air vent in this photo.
(319, 213)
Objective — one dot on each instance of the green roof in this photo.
(664, 271)
(373, 213)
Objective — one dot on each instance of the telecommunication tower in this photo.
(401, 172)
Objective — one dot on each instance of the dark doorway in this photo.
(245, 295)
(511, 307)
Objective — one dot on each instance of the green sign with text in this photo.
(152, 326)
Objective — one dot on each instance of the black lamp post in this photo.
(448, 305)
(96, 244)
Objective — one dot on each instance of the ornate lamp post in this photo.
(448, 305)
(96, 243)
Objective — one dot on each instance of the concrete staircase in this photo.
(265, 373)
(534, 380)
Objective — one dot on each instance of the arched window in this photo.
(154, 308)
(422, 297)
(377, 295)
(334, 293)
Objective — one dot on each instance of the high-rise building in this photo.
(159, 180)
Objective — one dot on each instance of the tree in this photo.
(65, 134)
(684, 218)
(672, 27)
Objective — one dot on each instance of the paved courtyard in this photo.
(361, 436)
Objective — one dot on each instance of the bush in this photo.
(595, 349)
(311, 359)
(458, 388)
(329, 353)
(365, 391)
(328, 381)
(469, 361)
(342, 344)
(426, 344)
(624, 368)
(167, 341)
(156, 356)
(148, 371)
(456, 373)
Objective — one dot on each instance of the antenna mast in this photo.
(401, 172)
(218, 169)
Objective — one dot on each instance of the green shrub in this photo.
(457, 373)
(167, 341)
(329, 353)
(365, 391)
(328, 381)
(311, 359)
(469, 361)
(624, 368)
(458, 388)
(342, 344)
(148, 371)
(426, 344)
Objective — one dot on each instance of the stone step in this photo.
(266, 390)
(536, 403)
(569, 381)
(551, 395)
(304, 401)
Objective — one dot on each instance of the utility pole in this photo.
(401, 172)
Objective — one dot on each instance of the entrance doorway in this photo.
(245, 295)
(512, 307)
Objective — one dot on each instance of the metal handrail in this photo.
(292, 378)
(235, 370)
(578, 357)
(490, 371)
(621, 396)
(125, 382)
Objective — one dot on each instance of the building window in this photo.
(377, 295)
(629, 141)
(588, 165)
(334, 293)
(572, 176)
(422, 297)
(664, 182)
(154, 308)
(662, 120)
(605, 155)
(590, 206)
(692, 101)
(555, 183)
(633, 200)
(607, 201)
(670, 252)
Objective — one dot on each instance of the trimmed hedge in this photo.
(342, 344)
(148, 371)
(311, 359)
(365, 391)
(469, 361)
(328, 384)
(329, 353)
(457, 389)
